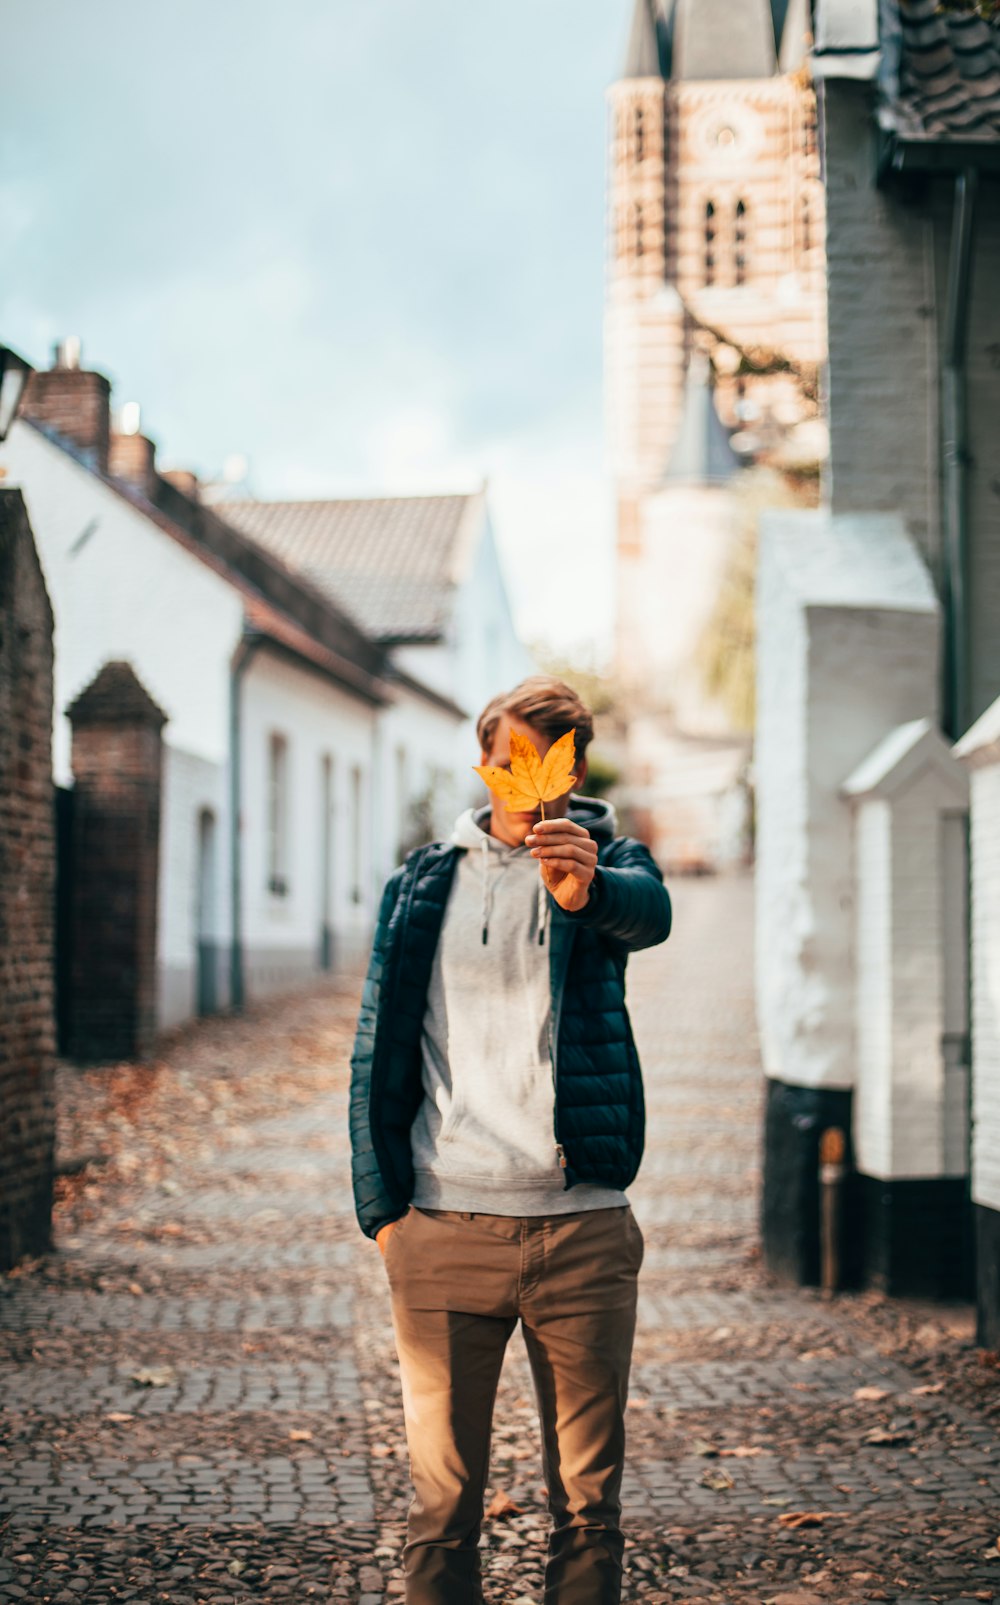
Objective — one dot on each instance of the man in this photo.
(496, 1119)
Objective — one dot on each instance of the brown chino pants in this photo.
(459, 1285)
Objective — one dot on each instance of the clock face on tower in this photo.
(727, 134)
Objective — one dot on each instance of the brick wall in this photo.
(27, 873)
(888, 265)
(882, 308)
(117, 767)
(983, 478)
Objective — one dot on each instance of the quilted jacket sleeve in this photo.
(371, 1200)
(629, 903)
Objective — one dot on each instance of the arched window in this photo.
(809, 126)
(806, 225)
(640, 135)
(637, 228)
(740, 243)
(710, 242)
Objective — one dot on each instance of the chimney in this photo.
(73, 403)
(184, 480)
(132, 455)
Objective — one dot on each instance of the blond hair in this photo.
(549, 705)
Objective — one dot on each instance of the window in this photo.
(402, 802)
(326, 861)
(809, 126)
(740, 243)
(640, 135)
(806, 217)
(357, 796)
(710, 242)
(637, 228)
(277, 816)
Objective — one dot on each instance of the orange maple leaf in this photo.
(530, 780)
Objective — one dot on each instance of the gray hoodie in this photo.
(483, 1139)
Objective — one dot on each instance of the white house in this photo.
(878, 645)
(421, 576)
(979, 750)
(301, 754)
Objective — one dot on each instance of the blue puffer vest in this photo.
(599, 1109)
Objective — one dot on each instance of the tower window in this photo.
(710, 242)
(809, 126)
(637, 228)
(640, 135)
(806, 225)
(277, 815)
(740, 243)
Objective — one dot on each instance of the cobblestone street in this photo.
(199, 1395)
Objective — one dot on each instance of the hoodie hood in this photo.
(471, 834)
(471, 828)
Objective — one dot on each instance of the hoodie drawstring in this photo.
(484, 863)
(488, 889)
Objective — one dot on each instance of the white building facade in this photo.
(300, 757)
(878, 626)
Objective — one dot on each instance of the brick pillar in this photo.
(117, 765)
(27, 881)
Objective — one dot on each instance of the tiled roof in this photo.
(277, 602)
(940, 74)
(714, 39)
(643, 55)
(392, 562)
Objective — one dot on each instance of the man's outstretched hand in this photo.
(567, 856)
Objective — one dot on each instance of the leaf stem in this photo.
(542, 801)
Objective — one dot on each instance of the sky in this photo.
(360, 243)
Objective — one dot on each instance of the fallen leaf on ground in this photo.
(885, 1435)
(720, 1481)
(154, 1376)
(119, 1415)
(806, 1518)
(929, 1387)
(300, 1435)
(501, 1505)
(743, 1451)
(871, 1393)
(702, 1446)
(531, 780)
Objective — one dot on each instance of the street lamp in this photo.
(14, 373)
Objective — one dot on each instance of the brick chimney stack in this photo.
(74, 403)
(132, 455)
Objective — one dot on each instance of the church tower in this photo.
(644, 317)
(715, 230)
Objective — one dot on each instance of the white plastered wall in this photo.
(980, 748)
(281, 933)
(910, 1113)
(122, 588)
(847, 631)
